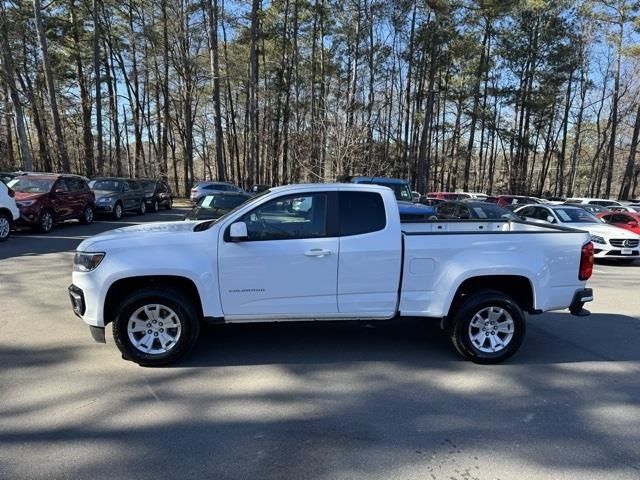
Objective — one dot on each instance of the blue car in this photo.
(408, 210)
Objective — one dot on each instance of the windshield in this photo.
(401, 190)
(493, 211)
(209, 223)
(31, 185)
(225, 202)
(148, 184)
(108, 185)
(575, 215)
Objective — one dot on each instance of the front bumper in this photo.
(29, 217)
(79, 306)
(104, 207)
(581, 297)
(609, 252)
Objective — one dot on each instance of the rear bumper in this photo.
(581, 297)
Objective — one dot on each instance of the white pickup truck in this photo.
(326, 252)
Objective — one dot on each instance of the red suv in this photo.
(44, 199)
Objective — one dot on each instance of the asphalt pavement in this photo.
(389, 400)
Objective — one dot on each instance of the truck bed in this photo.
(440, 255)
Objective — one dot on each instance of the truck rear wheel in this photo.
(487, 327)
(155, 326)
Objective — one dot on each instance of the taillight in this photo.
(11, 192)
(586, 262)
(194, 189)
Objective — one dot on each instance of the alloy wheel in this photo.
(491, 329)
(46, 222)
(154, 329)
(5, 227)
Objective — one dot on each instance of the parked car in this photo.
(627, 220)
(449, 195)
(216, 205)
(45, 199)
(114, 196)
(431, 202)
(258, 188)
(627, 207)
(402, 191)
(204, 188)
(157, 194)
(594, 209)
(513, 201)
(608, 241)
(6, 177)
(603, 202)
(469, 209)
(340, 254)
(9, 211)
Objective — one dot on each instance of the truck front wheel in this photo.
(155, 326)
(487, 327)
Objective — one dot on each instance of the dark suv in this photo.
(44, 199)
(157, 194)
(115, 196)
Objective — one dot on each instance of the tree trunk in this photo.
(51, 88)
(97, 36)
(212, 11)
(9, 78)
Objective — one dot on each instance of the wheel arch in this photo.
(121, 288)
(7, 212)
(518, 287)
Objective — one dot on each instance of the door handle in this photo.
(317, 252)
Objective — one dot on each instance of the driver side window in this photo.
(287, 218)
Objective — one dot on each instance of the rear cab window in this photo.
(361, 212)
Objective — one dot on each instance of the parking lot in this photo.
(311, 401)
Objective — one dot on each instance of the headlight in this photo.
(26, 203)
(597, 239)
(148, 195)
(105, 200)
(85, 262)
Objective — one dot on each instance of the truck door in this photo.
(288, 264)
(370, 255)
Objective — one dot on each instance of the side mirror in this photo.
(632, 223)
(59, 190)
(550, 219)
(238, 232)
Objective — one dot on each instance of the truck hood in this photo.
(604, 230)
(146, 235)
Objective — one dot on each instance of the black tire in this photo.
(45, 224)
(118, 211)
(5, 226)
(461, 331)
(87, 215)
(142, 209)
(185, 311)
(156, 206)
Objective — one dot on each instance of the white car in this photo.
(608, 241)
(9, 211)
(345, 256)
(603, 202)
